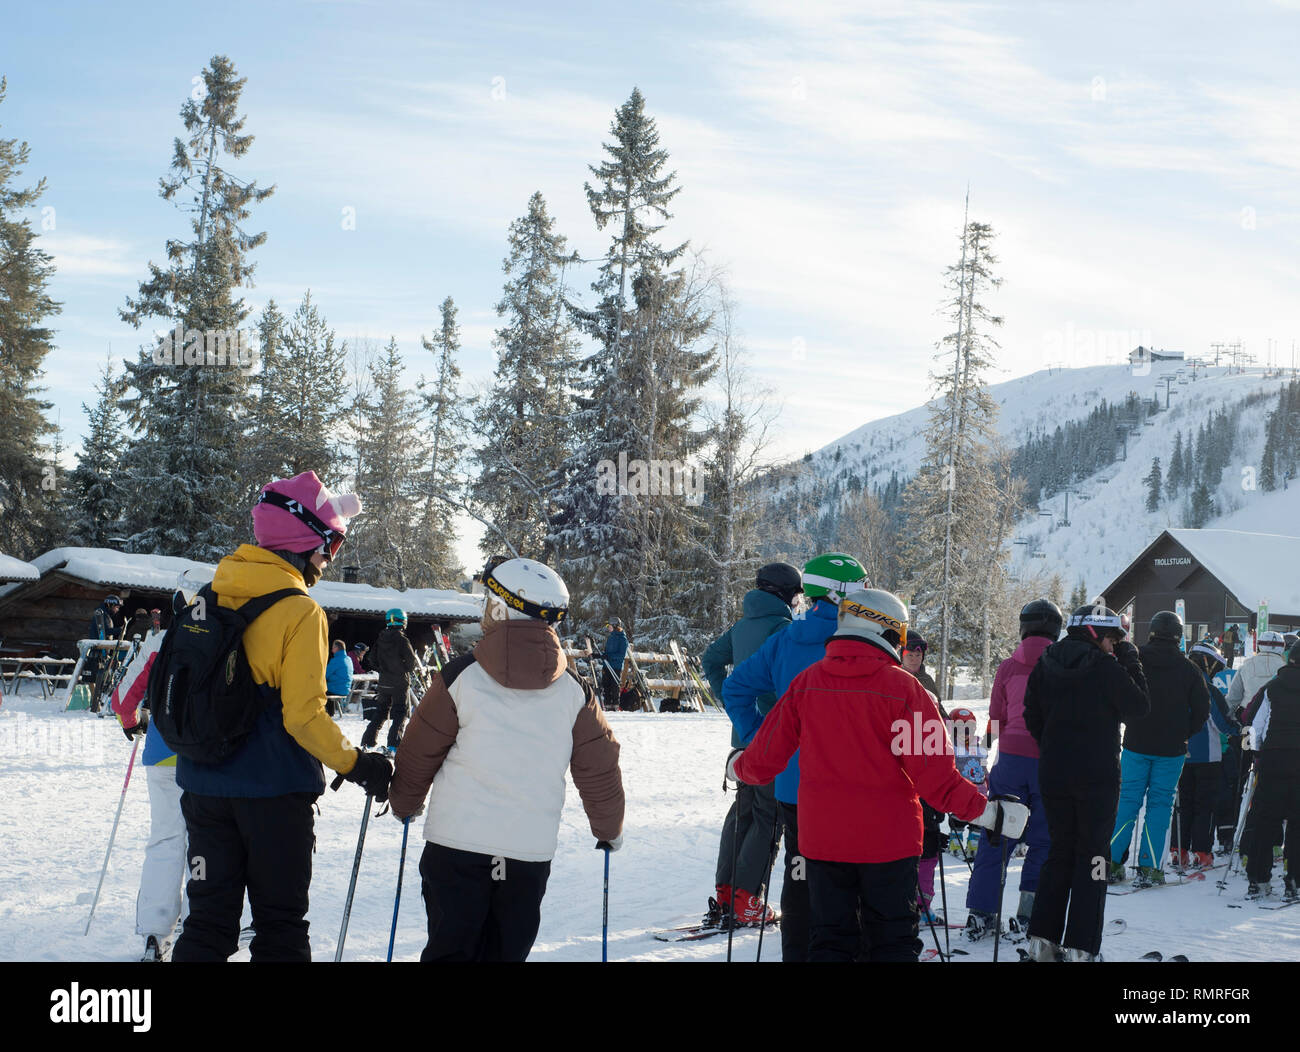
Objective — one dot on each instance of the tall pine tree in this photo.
(94, 492)
(1153, 485)
(184, 493)
(28, 504)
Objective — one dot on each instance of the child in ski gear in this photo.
(771, 670)
(971, 757)
(612, 658)
(1080, 691)
(511, 717)
(1275, 722)
(1199, 783)
(1015, 773)
(854, 716)
(338, 677)
(394, 659)
(160, 903)
(249, 818)
(748, 826)
(1155, 746)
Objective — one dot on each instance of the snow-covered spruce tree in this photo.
(386, 542)
(952, 501)
(93, 495)
(641, 391)
(442, 476)
(524, 422)
(261, 445)
(1153, 485)
(1175, 477)
(183, 491)
(28, 511)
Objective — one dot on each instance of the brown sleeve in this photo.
(594, 765)
(428, 738)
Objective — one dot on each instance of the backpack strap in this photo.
(258, 605)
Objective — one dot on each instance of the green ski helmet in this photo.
(832, 576)
(395, 617)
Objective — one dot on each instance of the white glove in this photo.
(734, 755)
(610, 845)
(1006, 818)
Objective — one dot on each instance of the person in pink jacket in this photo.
(1015, 773)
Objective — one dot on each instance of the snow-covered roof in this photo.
(12, 569)
(114, 569)
(1252, 566)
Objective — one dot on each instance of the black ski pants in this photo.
(1073, 878)
(1197, 788)
(263, 844)
(748, 831)
(1227, 801)
(794, 890)
(390, 702)
(480, 907)
(863, 911)
(1277, 800)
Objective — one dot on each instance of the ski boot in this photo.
(750, 911)
(1079, 955)
(1259, 891)
(719, 908)
(154, 950)
(1116, 874)
(1290, 891)
(1039, 949)
(391, 750)
(1025, 910)
(955, 845)
(978, 925)
(1149, 877)
(1202, 860)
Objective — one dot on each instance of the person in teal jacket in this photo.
(771, 670)
(747, 844)
(338, 676)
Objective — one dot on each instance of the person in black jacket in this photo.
(1155, 747)
(1078, 694)
(1275, 717)
(105, 623)
(394, 659)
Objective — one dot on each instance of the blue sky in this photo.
(1138, 166)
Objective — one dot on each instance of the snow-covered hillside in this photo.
(1109, 524)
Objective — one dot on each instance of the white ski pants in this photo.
(160, 902)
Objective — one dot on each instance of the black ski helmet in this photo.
(1041, 617)
(1167, 624)
(1093, 621)
(781, 579)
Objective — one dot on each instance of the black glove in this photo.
(138, 731)
(1127, 654)
(373, 772)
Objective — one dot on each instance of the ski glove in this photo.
(141, 726)
(1004, 816)
(730, 776)
(1127, 654)
(610, 845)
(373, 772)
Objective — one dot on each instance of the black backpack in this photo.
(201, 694)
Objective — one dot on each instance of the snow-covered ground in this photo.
(63, 777)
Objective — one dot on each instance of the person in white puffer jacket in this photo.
(1256, 670)
(489, 744)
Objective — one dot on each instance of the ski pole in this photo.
(113, 835)
(735, 838)
(397, 901)
(943, 897)
(771, 864)
(352, 885)
(604, 916)
(1002, 892)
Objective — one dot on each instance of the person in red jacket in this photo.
(871, 743)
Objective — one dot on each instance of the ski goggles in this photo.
(331, 539)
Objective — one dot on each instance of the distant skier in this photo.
(1015, 773)
(1079, 692)
(771, 669)
(612, 658)
(1274, 717)
(394, 659)
(747, 828)
(355, 653)
(1200, 780)
(106, 625)
(861, 782)
(1231, 645)
(338, 677)
(508, 718)
(1155, 746)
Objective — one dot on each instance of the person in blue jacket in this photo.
(1199, 783)
(338, 676)
(749, 832)
(771, 670)
(614, 653)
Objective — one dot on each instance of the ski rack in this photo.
(582, 663)
(682, 687)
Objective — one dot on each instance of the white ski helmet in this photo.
(877, 616)
(1271, 639)
(526, 589)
